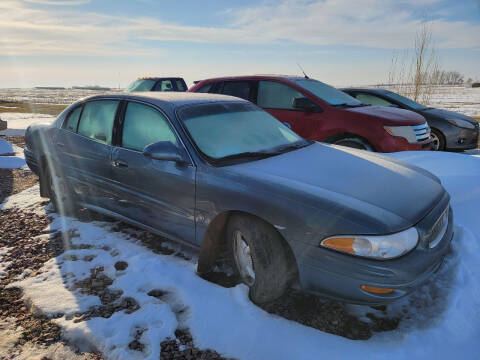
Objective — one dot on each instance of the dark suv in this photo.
(320, 112)
(158, 84)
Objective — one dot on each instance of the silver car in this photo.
(217, 172)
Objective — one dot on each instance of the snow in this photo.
(440, 320)
(18, 122)
(11, 162)
(5, 147)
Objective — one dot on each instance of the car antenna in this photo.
(306, 76)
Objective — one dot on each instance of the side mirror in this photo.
(305, 104)
(165, 150)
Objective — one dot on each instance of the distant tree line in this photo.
(442, 77)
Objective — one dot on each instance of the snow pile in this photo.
(18, 122)
(442, 321)
(5, 147)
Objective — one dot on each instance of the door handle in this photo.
(61, 145)
(120, 163)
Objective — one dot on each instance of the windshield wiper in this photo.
(350, 105)
(246, 154)
(284, 148)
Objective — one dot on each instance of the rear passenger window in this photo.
(97, 120)
(72, 120)
(273, 95)
(143, 125)
(239, 89)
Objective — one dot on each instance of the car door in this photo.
(277, 98)
(88, 151)
(156, 193)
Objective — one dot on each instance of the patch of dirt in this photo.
(30, 246)
(23, 107)
(97, 284)
(14, 181)
(183, 348)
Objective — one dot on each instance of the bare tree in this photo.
(415, 74)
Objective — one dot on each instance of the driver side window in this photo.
(143, 125)
(274, 95)
(370, 99)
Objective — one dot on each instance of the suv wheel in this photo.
(355, 143)
(258, 257)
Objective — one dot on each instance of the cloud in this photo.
(58, 2)
(387, 24)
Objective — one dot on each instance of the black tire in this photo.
(61, 197)
(355, 143)
(438, 143)
(269, 258)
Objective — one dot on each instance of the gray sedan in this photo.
(218, 173)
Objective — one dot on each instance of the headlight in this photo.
(461, 123)
(405, 132)
(373, 246)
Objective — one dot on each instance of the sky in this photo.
(112, 42)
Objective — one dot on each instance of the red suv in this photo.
(321, 112)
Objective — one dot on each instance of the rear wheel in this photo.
(259, 258)
(355, 143)
(438, 141)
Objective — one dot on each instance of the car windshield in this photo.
(141, 85)
(405, 101)
(237, 130)
(328, 93)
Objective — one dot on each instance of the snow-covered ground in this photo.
(441, 320)
(18, 122)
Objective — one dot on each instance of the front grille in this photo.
(422, 132)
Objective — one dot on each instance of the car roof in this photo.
(367, 90)
(158, 77)
(169, 99)
(256, 77)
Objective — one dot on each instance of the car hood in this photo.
(443, 114)
(396, 193)
(391, 116)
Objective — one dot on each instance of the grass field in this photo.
(50, 109)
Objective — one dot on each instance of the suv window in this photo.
(97, 120)
(274, 95)
(143, 125)
(141, 85)
(72, 120)
(164, 85)
(240, 89)
(370, 99)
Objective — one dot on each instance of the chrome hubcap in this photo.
(243, 259)
(435, 142)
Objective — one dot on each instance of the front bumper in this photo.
(31, 160)
(395, 143)
(457, 138)
(339, 276)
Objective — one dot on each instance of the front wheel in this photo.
(355, 143)
(438, 142)
(259, 258)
